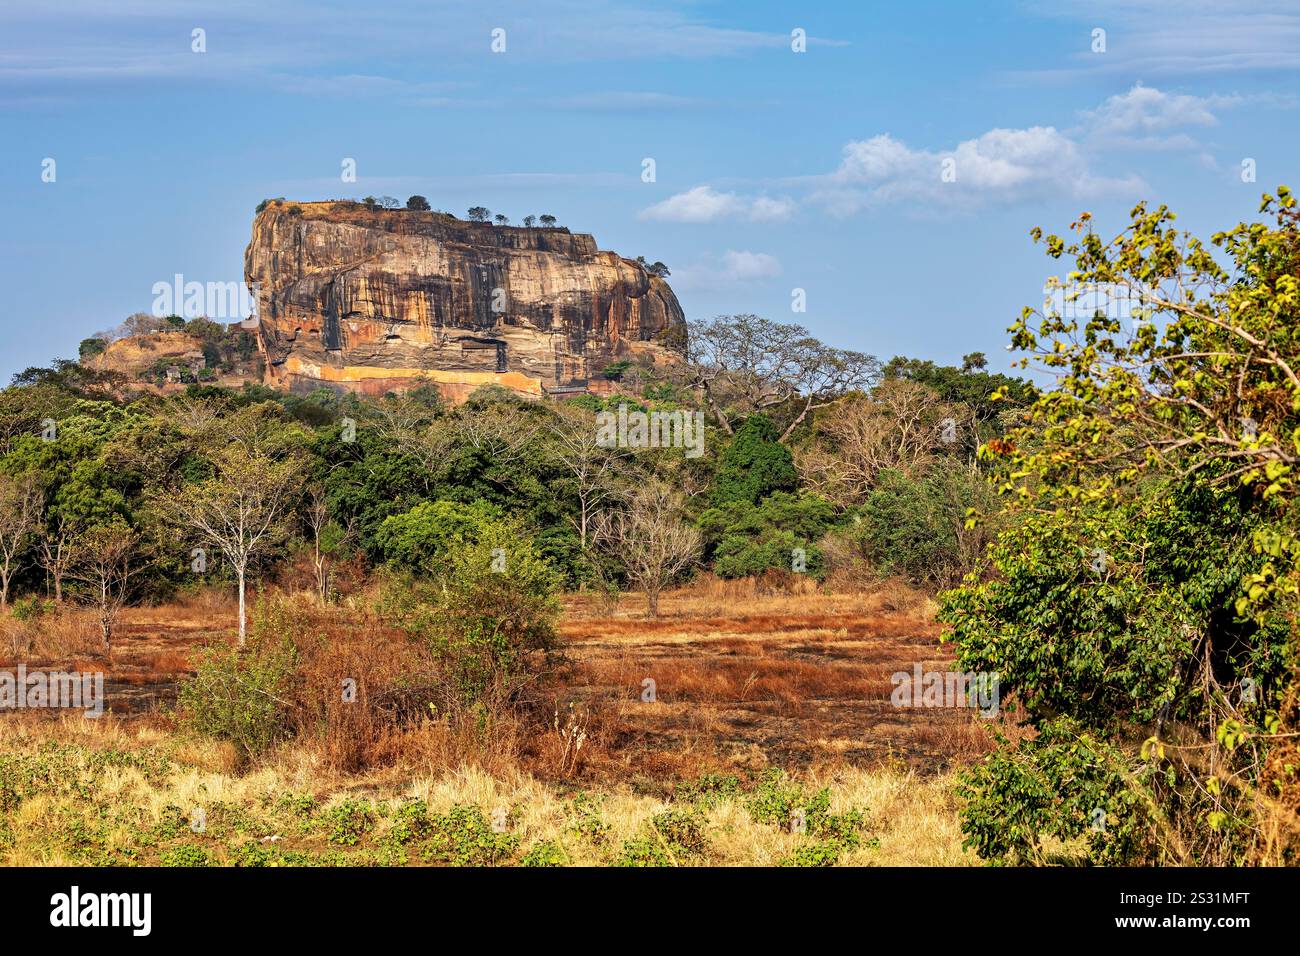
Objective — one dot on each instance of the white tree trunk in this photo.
(241, 607)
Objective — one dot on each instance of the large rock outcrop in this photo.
(376, 300)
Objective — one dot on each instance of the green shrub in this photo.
(464, 837)
(682, 830)
(420, 540)
(781, 801)
(709, 790)
(754, 464)
(916, 527)
(187, 854)
(1090, 620)
(584, 812)
(487, 619)
(410, 823)
(30, 608)
(748, 538)
(349, 821)
(544, 853)
(644, 851)
(237, 694)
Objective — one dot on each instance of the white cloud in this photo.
(745, 266)
(1148, 118)
(706, 204)
(1145, 110)
(1001, 165)
(733, 267)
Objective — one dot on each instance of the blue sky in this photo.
(774, 170)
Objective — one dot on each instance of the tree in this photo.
(988, 395)
(646, 533)
(421, 541)
(744, 364)
(418, 204)
(502, 220)
(478, 214)
(754, 464)
(57, 547)
(371, 203)
(530, 221)
(103, 564)
(389, 202)
(328, 538)
(20, 511)
(902, 427)
(653, 268)
(590, 466)
(240, 510)
(90, 347)
(1140, 600)
(547, 221)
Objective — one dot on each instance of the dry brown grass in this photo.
(748, 674)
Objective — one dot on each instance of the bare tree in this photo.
(590, 465)
(745, 364)
(416, 430)
(21, 500)
(903, 426)
(327, 538)
(240, 510)
(501, 429)
(57, 548)
(825, 374)
(103, 562)
(648, 535)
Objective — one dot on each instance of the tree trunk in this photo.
(241, 607)
(797, 422)
(722, 419)
(652, 602)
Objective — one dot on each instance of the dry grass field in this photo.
(762, 700)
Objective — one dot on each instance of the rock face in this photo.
(380, 300)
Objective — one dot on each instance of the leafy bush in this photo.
(644, 851)
(545, 853)
(709, 790)
(420, 539)
(463, 837)
(1090, 621)
(754, 464)
(917, 526)
(487, 619)
(31, 608)
(682, 830)
(586, 821)
(349, 821)
(750, 538)
(239, 694)
(187, 854)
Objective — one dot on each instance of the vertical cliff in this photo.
(372, 300)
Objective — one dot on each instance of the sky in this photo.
(887, 159)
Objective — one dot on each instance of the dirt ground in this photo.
(729, 676)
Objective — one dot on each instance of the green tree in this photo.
(1138, 601)
(754, 464)
(421, 540)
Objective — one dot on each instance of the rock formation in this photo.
(375, 300)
